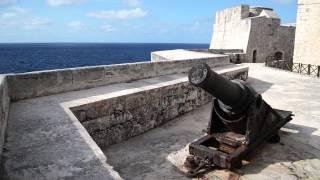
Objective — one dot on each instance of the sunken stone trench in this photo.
(114, 122)
(146, 156)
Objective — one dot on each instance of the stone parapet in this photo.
(43, 83)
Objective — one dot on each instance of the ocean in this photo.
(26, 57)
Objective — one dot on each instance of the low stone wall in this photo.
(42, 83)
(4, 110)
(116, 119)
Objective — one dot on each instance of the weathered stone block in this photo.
(23, 85)
(54, 82)
(88, 76)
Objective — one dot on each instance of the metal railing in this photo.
(306, 69)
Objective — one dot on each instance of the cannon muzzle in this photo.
(233, 95)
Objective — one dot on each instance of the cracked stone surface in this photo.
(159, 153)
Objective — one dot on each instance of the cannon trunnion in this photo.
(240, 121)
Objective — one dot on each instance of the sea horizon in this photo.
(38, 56)
(100, 43)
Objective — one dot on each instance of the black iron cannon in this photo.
(240, 121)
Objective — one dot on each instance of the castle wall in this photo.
(4, 110)
(254, 29)
(267, 37)
(286, 41)
(261, 38)
(307, 40)
(231, 30)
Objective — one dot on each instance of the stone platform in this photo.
(45, 140)
(159, 153)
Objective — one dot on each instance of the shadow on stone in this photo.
(294, 156)
(259, 85)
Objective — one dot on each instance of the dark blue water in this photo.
(43, 56)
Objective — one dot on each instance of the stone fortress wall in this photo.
(255, 30)
(16, 87)
(231, 29)
(107, 104)
(4, 109)
(307, 41)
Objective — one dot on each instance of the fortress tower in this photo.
(307, 42)
(257, 31)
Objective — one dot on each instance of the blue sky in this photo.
(165, 21)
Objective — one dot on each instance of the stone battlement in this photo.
(57, 117)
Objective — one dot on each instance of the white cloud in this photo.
(17, 17)
(76, 24)
(7, 2)
(283, 1)
(14, 17)
(57, 3)
(107, 28)
(19, 10)
(37, 23)
(120, 14)
(132, 2)
(14, 12)
(8, 15)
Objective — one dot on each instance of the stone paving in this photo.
(159, 153)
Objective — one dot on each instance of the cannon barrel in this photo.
(233, 94)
